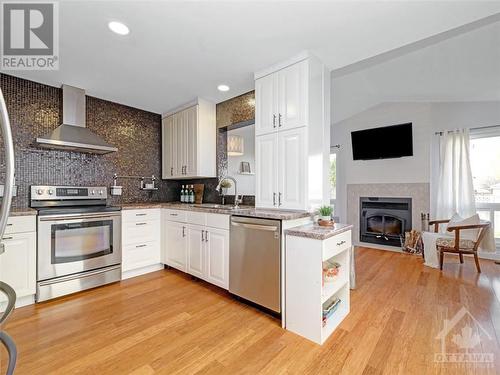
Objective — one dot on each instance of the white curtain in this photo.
(453, 188)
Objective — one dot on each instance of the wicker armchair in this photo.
(459, 245)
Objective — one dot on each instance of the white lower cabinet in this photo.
(18, 263)
(217, 257)
(175, 245)
(141, 242)
(200, 250)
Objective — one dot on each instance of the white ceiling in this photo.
(462, 68)
(179, 50)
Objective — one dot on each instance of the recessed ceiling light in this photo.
(223, 88)
(118, 27)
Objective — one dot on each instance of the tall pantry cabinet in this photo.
(189, 141)
(292, 134)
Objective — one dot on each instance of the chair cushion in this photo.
(466, 234)
(450, 242)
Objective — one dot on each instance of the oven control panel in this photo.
(42, 192)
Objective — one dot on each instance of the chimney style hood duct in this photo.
(72, 135)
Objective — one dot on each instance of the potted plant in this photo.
(325, 213)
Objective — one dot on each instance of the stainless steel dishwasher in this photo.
(255, 261)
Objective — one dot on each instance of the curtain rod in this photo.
(478, 128)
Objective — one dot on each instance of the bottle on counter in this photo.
(183, 194)
(191, 194)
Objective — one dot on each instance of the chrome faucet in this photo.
(237, 198)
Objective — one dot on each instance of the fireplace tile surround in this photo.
(418, 192)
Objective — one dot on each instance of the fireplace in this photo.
(384, 220)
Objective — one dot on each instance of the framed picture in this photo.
(245, 167)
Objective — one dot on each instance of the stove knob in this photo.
(92, 192)
(40, 191)
(51, 191)
(101, 192)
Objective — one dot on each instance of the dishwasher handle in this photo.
(270, 228)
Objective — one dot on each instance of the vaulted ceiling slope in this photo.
(179, 50)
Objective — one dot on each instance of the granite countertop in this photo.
(248, 211)
(22, 211)
(316, 232)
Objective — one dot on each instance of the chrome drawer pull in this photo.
(173, 215)
(7, 238)
(137, 246)
(140, 214)
(340, 243)
(141, 223)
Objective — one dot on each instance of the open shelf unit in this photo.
(306, 292)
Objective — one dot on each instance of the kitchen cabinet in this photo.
(175, 245)
(141, 242)
(281, 162)
(281, 99)
(18, 263)
(292, 135)
(198, 243)
(189, 142)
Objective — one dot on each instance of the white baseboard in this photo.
(20, 302)
(141, 271)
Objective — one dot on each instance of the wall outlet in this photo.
(116, 190)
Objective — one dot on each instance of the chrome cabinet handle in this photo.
(279, 199)
(173, 215)
(274, 199)
(7, 238)
(138, 246)
(141, 223)
(171, 171)
(202, 235)
(206, 236)
(183, 231)
(140, 214)
(340, 243)
(279, 120)
(274, 120)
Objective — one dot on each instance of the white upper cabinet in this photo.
(189, 142)
(266, 178)
(292, 96)
(281, 100)
(292, 134)
(292, 163)
(266, 105)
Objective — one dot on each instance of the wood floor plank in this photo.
(166, 323)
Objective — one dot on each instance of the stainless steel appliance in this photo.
(78, 238)
(255, 261)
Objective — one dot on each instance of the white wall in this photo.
(427, 118)
(246, 184)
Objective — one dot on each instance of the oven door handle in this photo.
(73, 217)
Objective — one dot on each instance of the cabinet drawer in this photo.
(197, 218)
(140, 231)
(336, 244)
(21, 224)
(140, 255)
(218, 221)
(176, 215)
(141, 215)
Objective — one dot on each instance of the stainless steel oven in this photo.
(78, 238)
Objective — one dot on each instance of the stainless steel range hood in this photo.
(72, 135)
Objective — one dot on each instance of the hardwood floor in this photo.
(166, 323)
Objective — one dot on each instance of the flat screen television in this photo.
(387, 142)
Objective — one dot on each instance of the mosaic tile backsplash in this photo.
(36, 109)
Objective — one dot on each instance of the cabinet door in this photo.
(168, 143)
(217, 257)
(292, 96)
(180, 143)
(266, 110)
(266, 164)
(292, 163)
(176, 245)
(191, 137)
(18, 263)
(195, 250)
